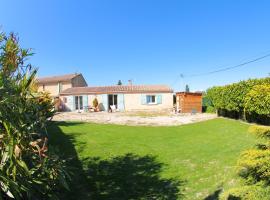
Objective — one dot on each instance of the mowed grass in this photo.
(193, 161)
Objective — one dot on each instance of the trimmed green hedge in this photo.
(248, 100)
(258, 100)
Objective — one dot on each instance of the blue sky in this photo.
(148, 41)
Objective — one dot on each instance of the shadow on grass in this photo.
(214, 196)
(123, 177)
(130, 177)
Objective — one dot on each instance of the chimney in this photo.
(130, 82)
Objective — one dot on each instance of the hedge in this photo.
(258, 100)
(249, 100)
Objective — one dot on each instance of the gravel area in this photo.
(127, 119)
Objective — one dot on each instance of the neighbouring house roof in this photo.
(56, 79)
(118, 89)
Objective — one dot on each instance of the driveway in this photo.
(134, 120)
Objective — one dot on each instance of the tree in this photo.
(119, 82)
(187, 88)
(28, 168)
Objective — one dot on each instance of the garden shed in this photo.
(189, 102)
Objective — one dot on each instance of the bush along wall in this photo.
(248, 100)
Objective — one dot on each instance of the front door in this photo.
(79, 103)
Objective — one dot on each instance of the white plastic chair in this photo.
(113, 108)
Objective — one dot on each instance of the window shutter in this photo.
(120, 102)
(143, 99)
(159, 99)
(85, 101)
(70, 103)
(105, 101)
(73, 103)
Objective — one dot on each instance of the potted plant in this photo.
(95, 105)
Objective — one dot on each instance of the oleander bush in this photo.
(29, 168)
(248, 100)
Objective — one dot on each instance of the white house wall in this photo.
(132, 102)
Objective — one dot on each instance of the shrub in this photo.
(246, 193)
(28, 168)
(254, 167)
(260, 131)
(210, 109)
(254, 164)
(95, 103)
(207, 105)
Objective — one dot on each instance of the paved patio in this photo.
(133, 119)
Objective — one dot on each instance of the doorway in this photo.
(112, 100)
(79, 103)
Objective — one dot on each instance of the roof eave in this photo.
(114, 92)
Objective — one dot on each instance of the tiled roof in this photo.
(56, 79)
(190, 93)
(118, 89)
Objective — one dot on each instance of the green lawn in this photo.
(191, 161)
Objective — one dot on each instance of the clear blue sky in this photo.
(149, 41)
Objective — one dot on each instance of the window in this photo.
(65, 99)
(151, 99)
(78, 102)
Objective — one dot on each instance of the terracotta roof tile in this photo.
(56, 79)
(118, 89)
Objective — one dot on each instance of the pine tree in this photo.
(119, 82)
(187, 88)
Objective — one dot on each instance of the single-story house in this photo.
(123, 97)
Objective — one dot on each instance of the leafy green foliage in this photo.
(254, 168)
(260, 131)
(248, 99)
(253, 192)
(254, 164)
(257, 100)
(28, 169)
(210, 109)
(207, 105)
